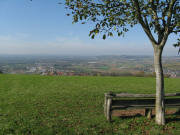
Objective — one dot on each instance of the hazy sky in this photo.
(42, 27)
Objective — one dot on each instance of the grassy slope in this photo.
(44, 105)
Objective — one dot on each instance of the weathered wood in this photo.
(144, 102)
(105, 104)
(148, 113)
(130, 107)
(133, 102)
(139, 95)
(139, 101)
(109, 110)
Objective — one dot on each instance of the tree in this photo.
(158, 19)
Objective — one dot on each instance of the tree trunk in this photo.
(160, 105)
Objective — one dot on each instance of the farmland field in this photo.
(57, 105)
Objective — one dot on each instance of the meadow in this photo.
(64, 105)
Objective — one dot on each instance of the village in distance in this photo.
(107, 65)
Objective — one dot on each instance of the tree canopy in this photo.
(158, 18)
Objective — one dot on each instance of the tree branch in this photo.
(144, 26)
(170, 11)
(156, 19)
(175, 31)
(168, 24)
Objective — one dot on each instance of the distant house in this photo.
(173, 75)
(43, 73)
(59, 73)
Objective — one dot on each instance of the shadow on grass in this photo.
(175, 117)
(169, 120)
(177, 113)
(128, 117)
(132, 116)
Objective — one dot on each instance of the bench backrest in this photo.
(129, 95)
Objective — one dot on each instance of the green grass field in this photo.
(52, 105)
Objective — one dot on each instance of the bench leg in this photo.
(109, 102)
(148, 113)
(105, 106)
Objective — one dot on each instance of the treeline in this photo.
(94, 73)
(136, 74)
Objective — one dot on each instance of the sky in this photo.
(41, 27)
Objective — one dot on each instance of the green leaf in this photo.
(104, 36)
(93, 36)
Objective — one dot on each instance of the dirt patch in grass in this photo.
(138, 112)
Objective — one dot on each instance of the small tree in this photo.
(158, 18)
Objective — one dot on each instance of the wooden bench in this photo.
(124, 101)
